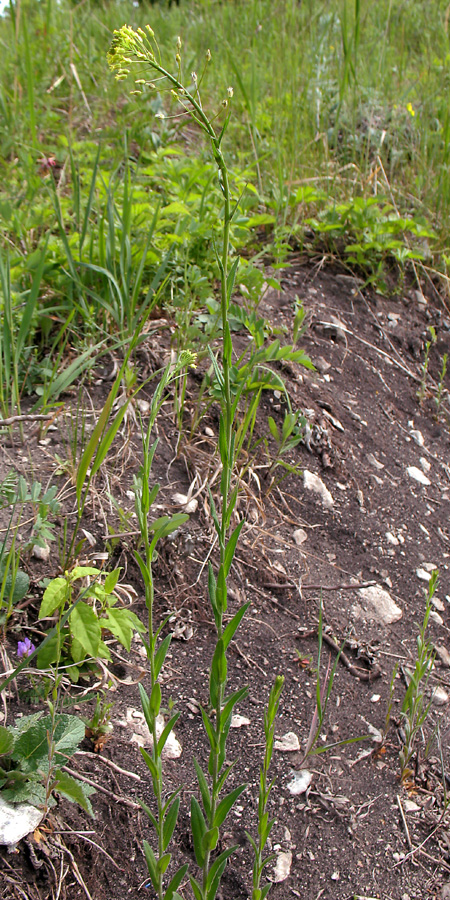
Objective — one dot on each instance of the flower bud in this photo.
(224, 103)
(230, 92)
(178, 43)
(194, 77)
(208, 56)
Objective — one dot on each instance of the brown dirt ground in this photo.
(350, 835)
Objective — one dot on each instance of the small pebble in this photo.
(418, 475)
(440, 697)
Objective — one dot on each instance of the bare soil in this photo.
(357, 831)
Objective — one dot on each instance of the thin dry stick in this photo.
(108, 762)
(405, 824)
(28, 417)
(102, 790)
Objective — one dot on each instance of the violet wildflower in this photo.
(25, 648)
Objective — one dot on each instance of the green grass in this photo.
(335, 103)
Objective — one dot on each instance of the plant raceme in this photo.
(140, 49)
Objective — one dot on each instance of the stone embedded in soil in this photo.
(288, 743)
(238, 721)
(142, 737)
(377, 605)
(423, 574)
(417, 436)
(300, 782)
(443, 655)
(282, 867)
(189, 505)
(315, 484)
(445, 891)
(374, 461)
(436, 618)
(16, 821)
(418, 475)
(39, 552)
(300, 536)
(426, 466)
(440, 697)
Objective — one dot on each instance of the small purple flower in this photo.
(25, 648)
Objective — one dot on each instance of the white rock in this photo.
(445, 891)
(289, 743)
(417, 436)
(436, 618)
(438, 604)
(375, 698)
(208, 431)
(423, 575)
(443, 655)
(378, 606)
(300, 536)
(142, 737)
(374, 461)
(16, 821)
(410, 806)
(282, 867)
(41, 552)
(418, 475)
(440, 697)
(143, 406)
(300, 782)
(426, 466)
(315, 484)
(391, 539)
(189, 506)
(238, 721)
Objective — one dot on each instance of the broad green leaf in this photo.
(74, 790)
(83, 572)
(118, 622)
(85, 627)
(210, 838)
(111, 580)
(6, 741)
(55, 596)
